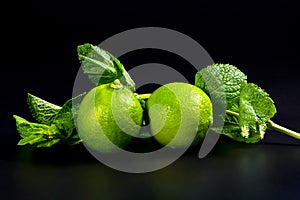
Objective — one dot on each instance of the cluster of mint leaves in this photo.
(248, 107)
(53, 124)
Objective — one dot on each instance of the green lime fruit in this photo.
(182, 110)
(109, 116)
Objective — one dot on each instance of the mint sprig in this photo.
(249, 108)
(54, 123)
(250, 122)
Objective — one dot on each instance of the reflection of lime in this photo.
(109, 111)
(179, 108)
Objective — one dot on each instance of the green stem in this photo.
(273, 126)
(232, 113)
(276, 127)
(143, 96)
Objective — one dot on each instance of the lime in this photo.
(182, 110)
(110, 115)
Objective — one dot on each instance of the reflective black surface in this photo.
(231, 171)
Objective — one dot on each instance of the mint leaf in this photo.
(222, 82)
(64, 119)
(35, 133)
(97, 64)
(251, 121)
(58, 126)
(248, 107)
(230, 127)
(26, 128)
(102, 67)
(48, 143)
(124, 77)
(75, 139)
(41, 110)
(256, 108)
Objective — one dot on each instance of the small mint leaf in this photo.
(31, 139)
(42, 111)
(34, 133)
(26, 128)
(48, 143)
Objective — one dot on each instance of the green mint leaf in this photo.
(222, 82)
(97, 64)
(124, 77)
(248, 106)
(26, 128)
(75, 139)
(61, 127)
(230, 128)
(102, 67)
(42, 111)
(250, 122)
(64, 119)
(35, 133)
(256, 108)
(31, 139)
(48, 143)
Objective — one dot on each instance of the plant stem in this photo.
(273, 126)
(144, 96)
(232, 113)
(276, 127)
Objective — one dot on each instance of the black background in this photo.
(40, 39)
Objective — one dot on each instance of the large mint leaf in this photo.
(222, 82)
(249, 123)
(41, 110)
(248, 107)
(256, 108)
(102, 67)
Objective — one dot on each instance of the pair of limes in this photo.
(111, 115)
